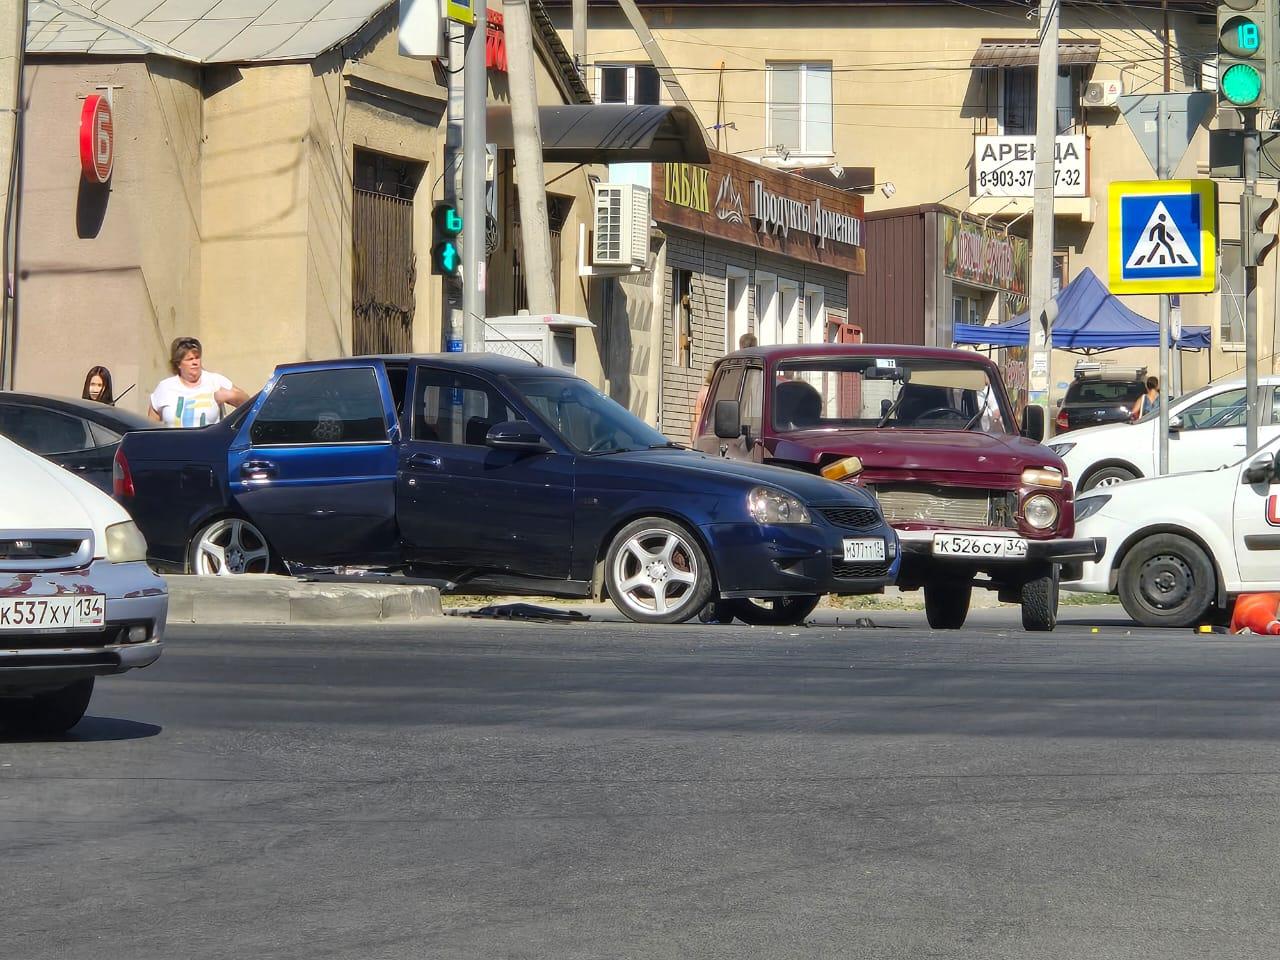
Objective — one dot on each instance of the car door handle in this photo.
(424, 461)
(258, 470)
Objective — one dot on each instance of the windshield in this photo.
(587, 420)
(1178, 402)
(886, 392)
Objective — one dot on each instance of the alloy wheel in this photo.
(229, 547)
(656, 572)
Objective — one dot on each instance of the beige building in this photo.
(274, 174)
(916, 99)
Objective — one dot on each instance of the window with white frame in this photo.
(799, 106)
(1231, 297)
(628, 83)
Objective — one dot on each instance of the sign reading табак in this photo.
(748, 203)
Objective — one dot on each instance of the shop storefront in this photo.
(748, 249)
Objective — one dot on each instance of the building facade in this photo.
(929, 104)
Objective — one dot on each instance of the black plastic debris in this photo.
(530, 612)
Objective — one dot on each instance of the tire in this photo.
(1108, 477)
(227, 547)
(1167, 581)
(774, 611)
(1039, 599)
(51, 713)
(946, 605)
(657, 572)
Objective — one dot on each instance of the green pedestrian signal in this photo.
(447, 224)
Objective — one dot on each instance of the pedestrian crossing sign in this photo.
(1163, 236)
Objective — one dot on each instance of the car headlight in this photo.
(1042, 477)
(1061, 449)
(1088, 506)
(125, 543)
(774, 506)
(1041, 512)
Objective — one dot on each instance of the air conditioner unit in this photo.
(1103, 94)
(621, 225)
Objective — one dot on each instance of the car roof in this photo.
(787, 351)
(101, 413)
(492, 363)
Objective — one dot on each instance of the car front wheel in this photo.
(1040, 601)
(657, 572)
(773, 611)
(1167, 581)
(51, 713)
(227, 547)
(946, 605)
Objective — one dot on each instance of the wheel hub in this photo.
(1166, 581)
(657, 572)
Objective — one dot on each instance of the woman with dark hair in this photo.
(97, 386)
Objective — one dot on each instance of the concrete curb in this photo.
(262, 598)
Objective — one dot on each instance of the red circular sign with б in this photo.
(97, 139)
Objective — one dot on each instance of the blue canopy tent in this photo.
(1090, 320)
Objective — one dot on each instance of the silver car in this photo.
(77, 600)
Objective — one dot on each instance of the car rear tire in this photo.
(657, 572)
(773, 611)
(1107, 477)
(1039, 597)
(227, 547)
(946, 605)
(1167, 581)
(51, 713)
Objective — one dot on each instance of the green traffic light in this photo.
(1241, 85)
(446, 257)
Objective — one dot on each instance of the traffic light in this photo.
(1245, 36)
(1255, 243)
(446, 224)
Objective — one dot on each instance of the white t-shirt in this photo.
(181, 404)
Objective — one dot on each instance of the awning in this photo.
(610, 133)
(1026, 53)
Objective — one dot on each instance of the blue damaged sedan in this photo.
(497, 475)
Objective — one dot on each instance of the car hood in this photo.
(1135, 499)
(920, 450)
(39, 495)
(694, 465)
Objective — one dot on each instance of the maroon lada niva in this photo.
(976, 501)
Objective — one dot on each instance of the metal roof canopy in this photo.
(610, 133)
(993, 54)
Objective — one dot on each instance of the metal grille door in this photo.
(384, 273)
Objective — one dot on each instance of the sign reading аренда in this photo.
(1005, 166)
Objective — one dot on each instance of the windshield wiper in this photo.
(976, 417)
(893, 408)
(668, 445)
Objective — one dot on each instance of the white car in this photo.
(1179, 546)
(1206, 430)
(77, 599)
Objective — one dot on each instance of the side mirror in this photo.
(1033, 423)
(515, 435)
(728, 419)
(1260, 470)
(1175, 423)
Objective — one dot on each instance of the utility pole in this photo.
(1251, 146)
(454, 326)
(474, 160)
(580, 37)
(1162, 173)
(1040, 344)
(13, 13)
(535, 233)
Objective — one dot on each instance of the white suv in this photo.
(1206, 431)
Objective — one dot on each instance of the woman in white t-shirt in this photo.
(193, 397)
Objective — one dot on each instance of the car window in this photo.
(320, 407)
(43, 431)
(585, 418)
(1226, 409)
(753, 400)
(728, 387)
(456, 408)
(1104, 391)
(1275, 405)
(103, 436)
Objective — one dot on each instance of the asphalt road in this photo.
(482, 790)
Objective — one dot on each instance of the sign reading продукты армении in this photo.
(1163, 236)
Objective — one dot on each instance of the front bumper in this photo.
(137, 602)
(917, 549)
(781, 560)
